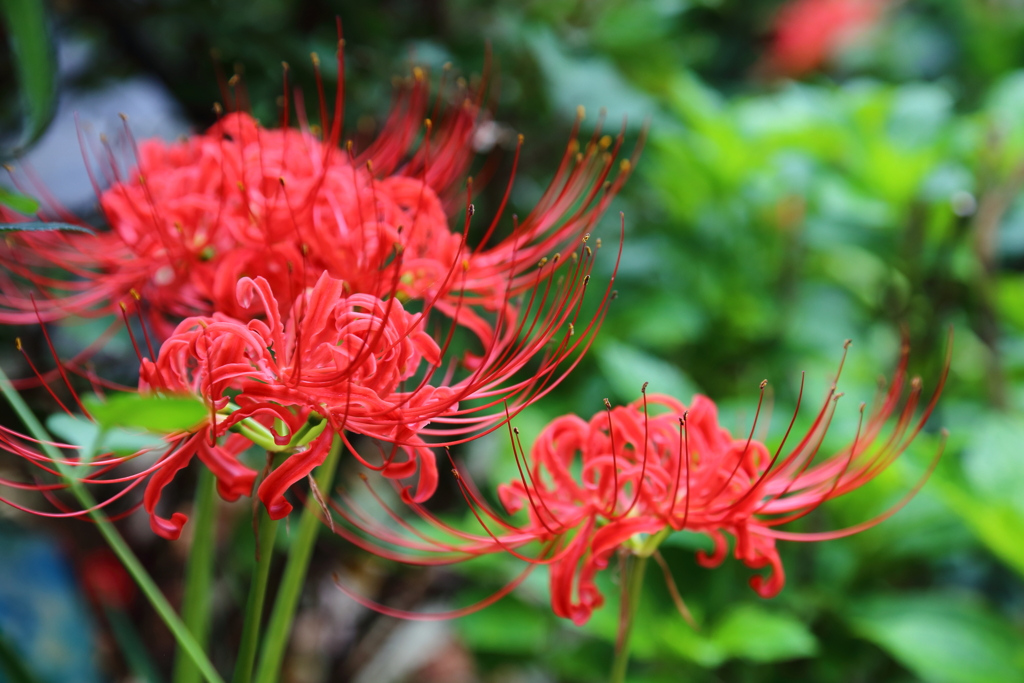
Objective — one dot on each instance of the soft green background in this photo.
(769, 221)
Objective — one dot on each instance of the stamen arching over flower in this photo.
(285, 204)
(625, 479)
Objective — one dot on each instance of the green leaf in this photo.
(17, 201)
(754, 633)
(41, 226)
(943, 639)
(35, 61)
(627, 368)
(153, 413)
(79, 431)
(507, 627)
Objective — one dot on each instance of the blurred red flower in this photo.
(807, 33)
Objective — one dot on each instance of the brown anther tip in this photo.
(280, 179)
(625, 166)
(764, 383)
(846, 344)
(543, 262)
(233, 81)
(341, 43)
(586, 236)
(839, 396)
(557, 257)
(944, 432)
(369, 165)
(598, 243)
(217, 109)
(315, 58)
(362, 475)
(447, 66)
(134, 293)
(8, 168)
(572, 329)
(515, 429)
(614, 295)
(17, 343)
(915, 383)
(124, 117)
(521, 138)
(586, 279)
(469, 181)
(284, 65)
(455, 472)
(348, 146)
(607, 404)
(417, 73)
(471, 209)
(686, 415)
(123, 307)
(428, 123)
(863, 405)
(643, 389)
(589, 252)
(465, 264)
(581, 112)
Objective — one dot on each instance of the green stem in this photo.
(275, 641)
(636, 583)
(257, 594)
(112, 536)
(195, 610)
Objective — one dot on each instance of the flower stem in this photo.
(257, 594)
(275, 640)
(636, 583)
(112, 536)
(195, 610)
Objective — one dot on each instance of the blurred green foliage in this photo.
(877, 199)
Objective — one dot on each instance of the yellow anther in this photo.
(581, 112)
(625, 166)
(605, 142)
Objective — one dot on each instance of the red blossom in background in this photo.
(807, 33)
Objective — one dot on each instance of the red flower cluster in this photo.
(625, 479)
(243, 201)
(292, 281)
(808, 32)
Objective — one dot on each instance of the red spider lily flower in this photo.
(809, 32)
(344, 360)
(286, 204)
(339, 362)
(625, 479)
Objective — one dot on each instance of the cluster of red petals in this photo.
(193, 217)
(809, 32)
(291, 279)
(624, 476)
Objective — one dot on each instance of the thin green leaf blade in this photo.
(35, 62)
(43, 226)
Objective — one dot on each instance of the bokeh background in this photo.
(815, 171)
